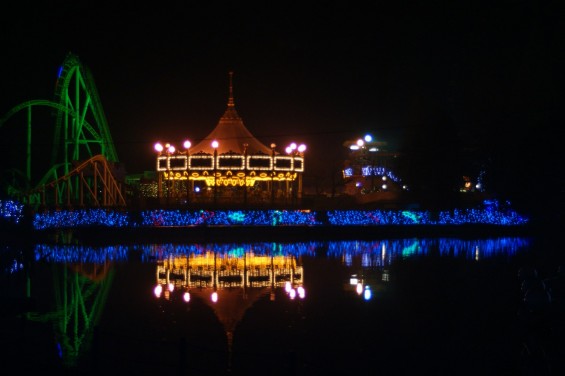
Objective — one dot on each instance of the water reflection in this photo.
(229, 279)
(369, 261)
(383, 252)
(374, 252)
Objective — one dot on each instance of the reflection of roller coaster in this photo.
(82, 280)
(83, 169)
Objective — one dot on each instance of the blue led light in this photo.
(491, 213)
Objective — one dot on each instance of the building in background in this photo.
(370, 172)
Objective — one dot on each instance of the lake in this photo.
(439, 305)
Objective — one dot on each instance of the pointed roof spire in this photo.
(230, 100)
(231, 133)
(230, 112)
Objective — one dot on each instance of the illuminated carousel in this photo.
(230, 166)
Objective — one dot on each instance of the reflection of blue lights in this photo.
(15, 267)
(368, 251)
(277, 249)
(367, 294)
(59, 350)
(370, 254)
(237, 252)
(410, 250)
(74, 253)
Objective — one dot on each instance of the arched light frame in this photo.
(169, 162)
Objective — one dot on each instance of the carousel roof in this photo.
(231, 134)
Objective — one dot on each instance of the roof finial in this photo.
(230, 100)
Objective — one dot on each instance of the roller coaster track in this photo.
(94, 181)
(80, 133)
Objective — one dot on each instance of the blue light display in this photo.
(11, 211)
(491, 214)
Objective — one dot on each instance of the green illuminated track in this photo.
(80, 131)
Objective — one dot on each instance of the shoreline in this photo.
(222, 234)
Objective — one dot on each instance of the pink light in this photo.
(292, 294)
(359, 288)
(158, 147)
(158, 290)
(287, 287)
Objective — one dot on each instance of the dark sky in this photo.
(441, 80)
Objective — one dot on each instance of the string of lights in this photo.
(176, 218)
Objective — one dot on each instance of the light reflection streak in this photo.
(368, 262)
(381, 253)
(374, 253)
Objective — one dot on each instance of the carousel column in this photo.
(245, 174)
(273, 146)
(170, 176)
(159, 149)
(215, 145)
(187, 144)
(299, 191)
(301, 150)
(297, 151)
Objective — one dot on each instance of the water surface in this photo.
(398, 306)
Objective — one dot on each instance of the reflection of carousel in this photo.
(229, 284)
(230, 165)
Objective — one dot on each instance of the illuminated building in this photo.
(230, 165)
(369, 172)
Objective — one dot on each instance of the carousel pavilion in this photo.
(230, 166)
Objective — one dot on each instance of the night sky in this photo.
(457, 86)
